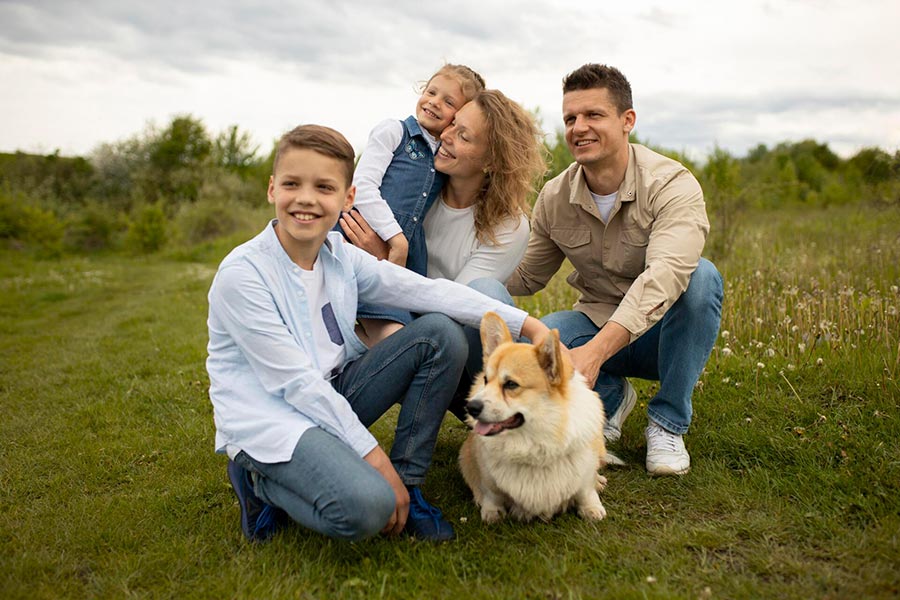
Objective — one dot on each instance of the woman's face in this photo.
(464, 144)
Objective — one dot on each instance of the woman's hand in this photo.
(361, 235)
(378, 459)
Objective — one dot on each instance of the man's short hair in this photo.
(593, 75)
(321, 139)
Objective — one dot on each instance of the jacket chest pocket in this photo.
(576, 245)
(628, 258)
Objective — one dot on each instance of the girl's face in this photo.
(437, 105)
(464, 144)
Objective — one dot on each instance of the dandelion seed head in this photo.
(760, 366)
(820, 362)
(770, 352)
(726, 351)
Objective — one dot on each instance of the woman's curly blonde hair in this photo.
(514, 165)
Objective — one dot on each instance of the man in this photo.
(633, 224)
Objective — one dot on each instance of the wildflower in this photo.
(726, 334)
(726, 380)
(760, 366)
(726, 351)
(791, 367)
(795, 329)
(895, 289)
(819, 362)
(801, 347)
(770, 352)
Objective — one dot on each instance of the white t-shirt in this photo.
(327, 335)
(455, 253)
(605, 204)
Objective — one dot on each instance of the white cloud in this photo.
(734, 74)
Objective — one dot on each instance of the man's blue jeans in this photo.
(329, 488)
(674, 351)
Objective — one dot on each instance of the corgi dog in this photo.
(537, 432)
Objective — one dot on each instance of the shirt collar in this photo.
(581, 195)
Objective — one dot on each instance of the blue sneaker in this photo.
(258, 519)
(425, 521)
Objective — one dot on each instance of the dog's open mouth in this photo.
(487, 429)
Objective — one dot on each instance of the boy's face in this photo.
(309, 191)
(435, 108)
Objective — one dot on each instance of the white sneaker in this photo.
(612, 430)
(666, 454)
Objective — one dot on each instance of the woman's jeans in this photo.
(326, 486)
(674, 351)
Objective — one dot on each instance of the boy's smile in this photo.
(309, 191)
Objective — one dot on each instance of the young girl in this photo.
(396, 182)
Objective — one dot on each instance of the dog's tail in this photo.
(611, 460)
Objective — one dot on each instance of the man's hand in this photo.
(378, 459)
(588, 359)
(361, 235)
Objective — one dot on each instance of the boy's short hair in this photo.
(593, 75)
(321, 139)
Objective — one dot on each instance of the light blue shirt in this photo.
(266, 385)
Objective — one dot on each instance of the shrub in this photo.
(147, 231)
(92, 228)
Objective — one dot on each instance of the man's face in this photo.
(595, 131)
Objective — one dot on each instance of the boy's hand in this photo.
(399, 249)
(378, 459)
(361, 235)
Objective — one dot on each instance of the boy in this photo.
(293, 389)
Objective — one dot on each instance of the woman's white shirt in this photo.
(455, 253)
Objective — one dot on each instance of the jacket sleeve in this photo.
(382, 282)
(542, 256)
(677, 236)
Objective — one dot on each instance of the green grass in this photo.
(109, 487)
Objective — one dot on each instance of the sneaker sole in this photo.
(628, 403)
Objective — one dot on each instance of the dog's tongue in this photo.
(487, 428)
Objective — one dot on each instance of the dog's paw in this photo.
(492, 514)
(601, 483)
(594, 512)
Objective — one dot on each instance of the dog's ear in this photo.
(549, 357)
(493, 333)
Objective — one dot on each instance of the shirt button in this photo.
(424, 194)
(415, 219)
(432, 170)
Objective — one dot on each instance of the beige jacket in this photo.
(632, 269)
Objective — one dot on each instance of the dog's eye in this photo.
(510, 385)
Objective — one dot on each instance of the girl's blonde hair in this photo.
(469, 81)
(515, 162)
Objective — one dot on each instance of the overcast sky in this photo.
(704, 72)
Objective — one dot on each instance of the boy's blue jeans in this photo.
(673, 352)
(326, 486)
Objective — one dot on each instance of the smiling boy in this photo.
(294, 390)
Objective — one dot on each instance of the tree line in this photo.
(182, 184)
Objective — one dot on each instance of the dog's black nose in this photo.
(475, 407)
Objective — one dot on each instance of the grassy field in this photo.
(109, 487)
